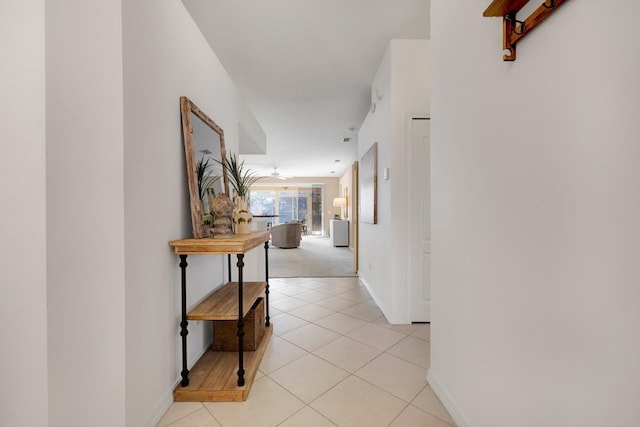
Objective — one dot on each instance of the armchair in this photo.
(286, 235)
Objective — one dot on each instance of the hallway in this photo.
(333, 361)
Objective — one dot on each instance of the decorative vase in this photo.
(242, 218)
(222, 209)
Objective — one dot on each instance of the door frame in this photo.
(355, 212)
(410, 213)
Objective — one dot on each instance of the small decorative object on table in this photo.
(222, 210)
(242, 218)
(241, 180)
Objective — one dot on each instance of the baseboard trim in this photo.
(161, 408)
(391, 319)
(374, 297)
(449, 404)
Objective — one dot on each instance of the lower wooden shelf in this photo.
(214, 378)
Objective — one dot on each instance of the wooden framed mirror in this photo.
(204, 149)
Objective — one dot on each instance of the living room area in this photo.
(311, 229)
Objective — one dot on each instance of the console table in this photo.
(214, 375)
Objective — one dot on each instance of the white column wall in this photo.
(409, 92)
(85, 213)
(23, 309)
(535, 218)
(374, 266)
(401, 87)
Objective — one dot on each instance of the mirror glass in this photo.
(204, 148)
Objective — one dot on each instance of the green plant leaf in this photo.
(241, 179)
(205, 175)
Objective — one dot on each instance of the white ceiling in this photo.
(305, 68)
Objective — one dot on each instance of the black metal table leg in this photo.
(240, 323)
(229, 266)
(183, 324)
(266, 288)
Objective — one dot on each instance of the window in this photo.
(262, 202)
(292, 205)
(289, 204)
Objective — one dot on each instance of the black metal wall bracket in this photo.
(514, 30)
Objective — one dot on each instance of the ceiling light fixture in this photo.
(346, 139)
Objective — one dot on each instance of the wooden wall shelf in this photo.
(514, 30)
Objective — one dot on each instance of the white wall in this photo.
(535, 218)
(23, 311)
(85, 213)
(409, 95)
(400, 88)
(116, 193)
(374, 266)
(165, 57)
(251, 139)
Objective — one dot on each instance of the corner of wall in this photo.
(251, 137)
(447, 401)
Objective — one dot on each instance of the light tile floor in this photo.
(333, 360)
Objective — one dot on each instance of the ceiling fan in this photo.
(275, 174)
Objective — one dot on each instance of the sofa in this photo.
(286, 235)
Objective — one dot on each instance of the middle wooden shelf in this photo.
(222, 304)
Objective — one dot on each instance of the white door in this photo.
(420, 232)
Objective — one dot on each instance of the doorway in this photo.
(419, 163)
(355, 213)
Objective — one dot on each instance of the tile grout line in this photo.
(379, 322)
(213, 415)
(354, 374)
(185, 416)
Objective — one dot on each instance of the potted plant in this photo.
(205, 175)
(206, 180)
(241, 180)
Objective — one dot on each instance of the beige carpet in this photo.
(314, 258)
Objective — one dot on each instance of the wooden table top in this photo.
(236, 244)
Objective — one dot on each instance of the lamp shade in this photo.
(339, 202)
